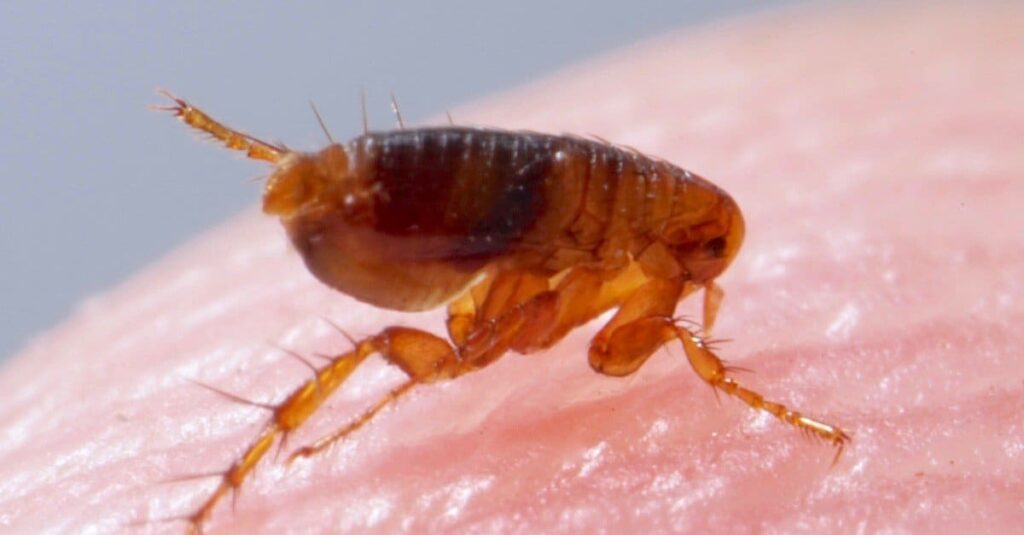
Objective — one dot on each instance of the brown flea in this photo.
(523, 236)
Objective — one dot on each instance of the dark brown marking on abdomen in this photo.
(483, 189)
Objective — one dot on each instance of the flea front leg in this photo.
(711, 368)
(644, 323)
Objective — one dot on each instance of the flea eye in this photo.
(716, 247)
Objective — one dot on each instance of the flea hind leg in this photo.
(644, 323)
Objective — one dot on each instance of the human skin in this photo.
(876, 153)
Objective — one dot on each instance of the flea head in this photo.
(718, 241)
(329, 203)
(303, 181)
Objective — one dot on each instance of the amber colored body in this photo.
(524, 236)
(406, 220)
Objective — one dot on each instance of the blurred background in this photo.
(93, 184)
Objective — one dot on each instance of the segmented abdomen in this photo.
(532, 200)
(617, 204)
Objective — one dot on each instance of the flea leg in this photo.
(354, 425)
(644, 323)
(288, 416)
(511, 311)
(516, 312)
(620, 348)
(710, 368)
(422, 356)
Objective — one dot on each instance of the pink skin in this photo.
(877, 156)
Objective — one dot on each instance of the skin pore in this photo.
(875, 154)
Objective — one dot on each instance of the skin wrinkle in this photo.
(875, 154)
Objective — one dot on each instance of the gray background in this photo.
(91, 184)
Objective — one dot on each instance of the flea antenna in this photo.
(321, 121)
(398, 114)
(233, 139)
